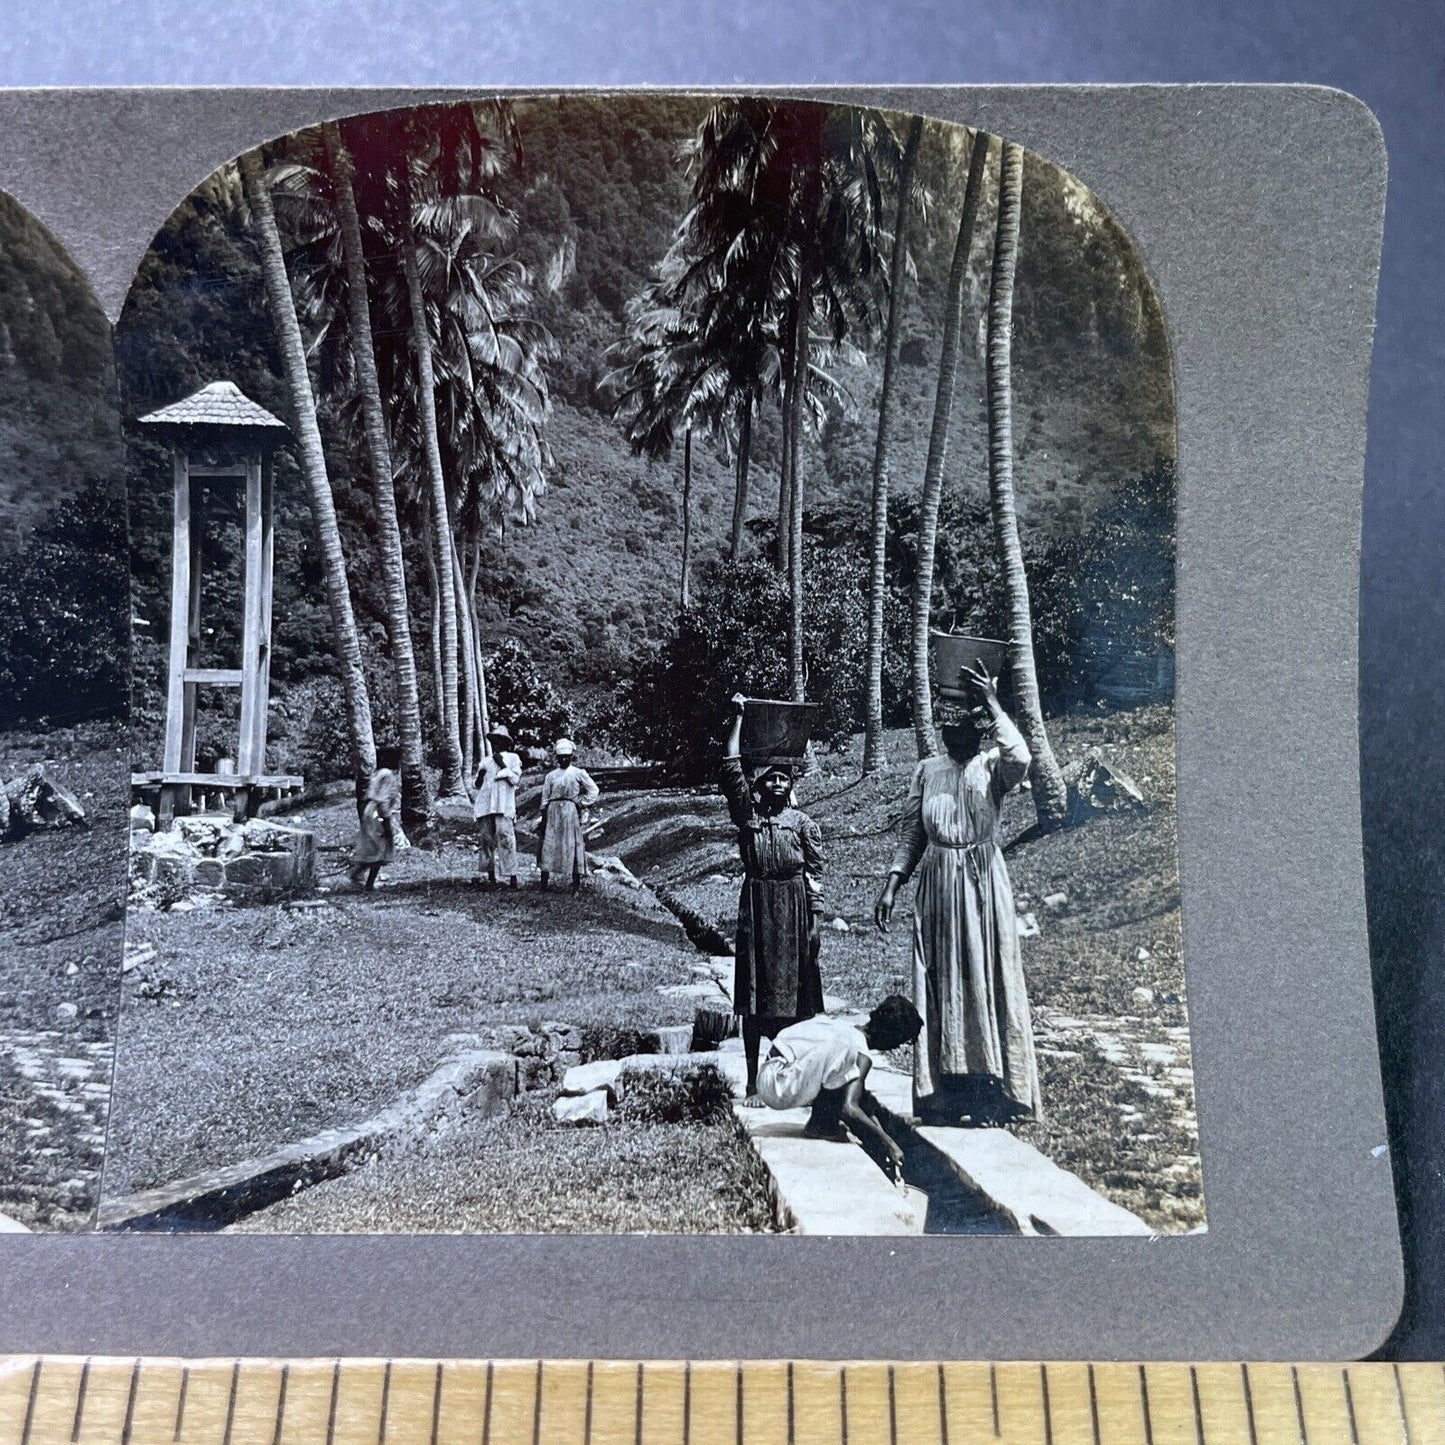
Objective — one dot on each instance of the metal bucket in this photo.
(953, 653)
(776, 732)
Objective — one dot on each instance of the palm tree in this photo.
(1050, 793)
(787, 212)
(665, 378)
(932, 492)
(873, 726)
(313, 460)
(415, 788)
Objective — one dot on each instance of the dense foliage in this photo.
(63, 641)
(588, 592)
(58, 425)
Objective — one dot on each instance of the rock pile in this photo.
(209, 853)
(33, 802)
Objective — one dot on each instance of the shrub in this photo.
(735, 639)
(64, 640)
(698, 1095)
(608, 1041)
(532, 709)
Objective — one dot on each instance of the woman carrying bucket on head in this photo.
(974, 1061)
(776, 979)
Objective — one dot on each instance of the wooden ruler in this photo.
(53, 1399)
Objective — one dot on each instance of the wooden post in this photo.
(246, 759)
(180, 628)
(268, 556)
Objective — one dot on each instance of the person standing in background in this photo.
(566, 791)
(496, 808)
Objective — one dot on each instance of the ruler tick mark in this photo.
(587, 1418)
(943, 1404)
(1048, 1412)
(331, 1410)
(637, 1424)
(385, 1402)
(537, 1408)
(181, 1402)
(1248, 1403)
(992, 1395)
(1093, 1406)
(792, 1435)
(231, 1402)
(1350, 1407)
(1144, 1406)
(30, 1406)
(1198, 1406)
(436, 1405)
(125, 1430)
(80, 1402)
(1299, 1407)
(892, 1408)
(687, 1403)
(740, 1405)
(281, 1404)
(843, 1402)
(487, 1405)
(1400, 1401)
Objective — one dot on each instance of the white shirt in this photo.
(819, 1053)
(497, 786)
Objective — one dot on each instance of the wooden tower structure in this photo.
(216, 436)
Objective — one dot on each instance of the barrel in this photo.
(775, 731)
(954, 652)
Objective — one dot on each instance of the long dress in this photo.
(968, 978)
(560, 846)
(776, 974)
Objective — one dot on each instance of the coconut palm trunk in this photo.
(313, 464)
(938, 449)
(740, 490)
(453, 772)
(1051, 800)
(484, 716)
(686, 517)
(468, 645)
(785, 480)
(797, 669)
(434, 589)
(415, 789)
(887, 407)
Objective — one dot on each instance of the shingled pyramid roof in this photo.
(222, 403)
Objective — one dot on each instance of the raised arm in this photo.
(1012, 765)
(732, 781)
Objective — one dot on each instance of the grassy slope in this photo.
(296, 1021)
(61, 900)
(527, 1174)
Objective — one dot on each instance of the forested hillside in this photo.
(592, 584)
(58, 426)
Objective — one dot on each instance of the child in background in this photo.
(380, 830)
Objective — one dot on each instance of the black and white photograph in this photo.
(650, 690)
(64, 790)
